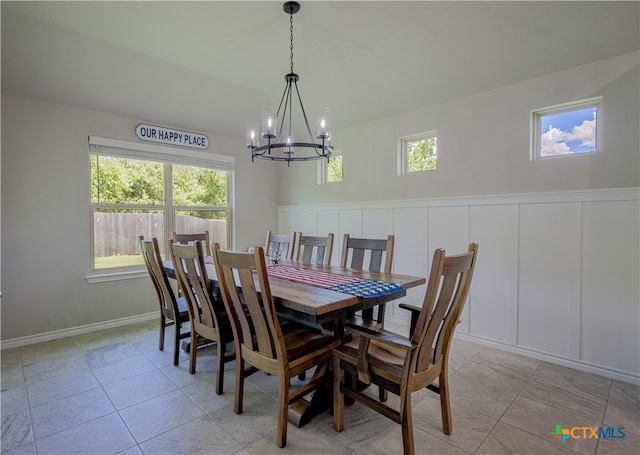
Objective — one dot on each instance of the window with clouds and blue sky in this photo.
(568, 132)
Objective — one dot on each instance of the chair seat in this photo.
(301, 339)
(379, 357)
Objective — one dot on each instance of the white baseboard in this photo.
(57, 334)
(601, 370)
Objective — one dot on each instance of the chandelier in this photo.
(278, 126)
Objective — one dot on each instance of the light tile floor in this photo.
(114, 392)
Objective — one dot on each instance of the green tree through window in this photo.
(421, 154)
(126, 181)
(334, 169)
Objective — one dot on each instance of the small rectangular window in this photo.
(332, 171)
(567, 129)
(418, 153)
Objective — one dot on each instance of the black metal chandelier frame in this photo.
(285, 150)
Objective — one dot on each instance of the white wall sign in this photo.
(172, 137)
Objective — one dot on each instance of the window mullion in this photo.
(169, 209)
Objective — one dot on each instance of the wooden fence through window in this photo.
(116, 234)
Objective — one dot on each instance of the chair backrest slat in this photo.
(280, 245)
(307, 245)
(376, 249)
(186, 239)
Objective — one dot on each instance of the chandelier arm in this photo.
(284, 94)
(284, 102)
(304, 113)
(290, 100)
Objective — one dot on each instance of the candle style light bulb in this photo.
(289, 141)
(268, 123)
(252, 134)
(324, 124)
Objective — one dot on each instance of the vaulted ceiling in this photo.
(215, 65)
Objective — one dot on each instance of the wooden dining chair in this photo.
(281, 246)
(281, 348)
(403, 366)
(306, 246)
(207, 316)
(173, 311)
(186, 239)
(355, 253)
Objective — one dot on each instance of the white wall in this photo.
(556, 277)
(557, 273)
(46, 213)
(483, 143)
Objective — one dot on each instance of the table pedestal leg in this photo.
(302, 411)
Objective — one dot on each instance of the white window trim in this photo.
(127, 149)
(402, 154)
(116, 147)
(535, 130)
(323, 170)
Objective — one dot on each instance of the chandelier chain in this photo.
(291, 38)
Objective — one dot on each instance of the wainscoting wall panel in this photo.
(448, 228)
(308, 222)
(609, 284)
(410, 224)
(495, 282)
(329, 221)
(548, 261)
(557, 273)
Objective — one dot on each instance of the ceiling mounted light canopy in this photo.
(278, 126)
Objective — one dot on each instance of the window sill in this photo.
(116, 276)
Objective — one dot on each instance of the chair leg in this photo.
(192, 351)
(338, 396)
(161, 337)
(383, 395)
(176, 343)
(220, 372)
(445, 405)
(240, 373)
(283, 411)
(407, 428)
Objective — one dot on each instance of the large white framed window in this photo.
(418, 153)
(332, 171)
(153, 190)
(568, 129)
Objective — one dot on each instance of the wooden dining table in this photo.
(322, 307)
